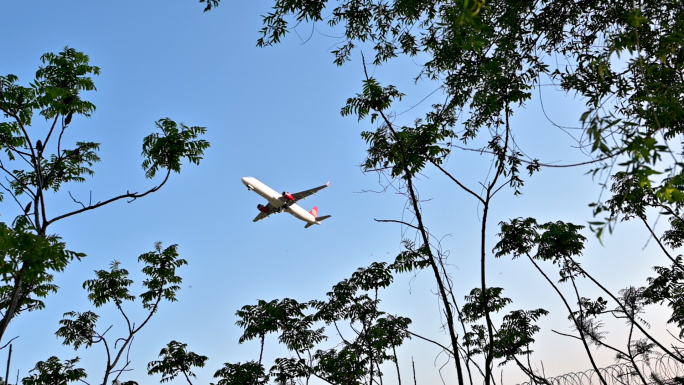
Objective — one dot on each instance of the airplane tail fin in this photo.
(314, 212)
(318, 221)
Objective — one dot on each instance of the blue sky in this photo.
(272, 114)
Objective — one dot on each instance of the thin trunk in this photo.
(14, 302)
(580, 328)
(188, 378)
(431, 257)
(18, 282)
(371, 357)
(440, 284)
(574, 319)
(426, 242)
(631, 356)
(467, 358)
(489, 356)
(396, 362)
(675, 355)
(9, 359)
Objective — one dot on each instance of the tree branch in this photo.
(458, 183)
(434, 342)
(397, 221)
(9, 342)
(599, 159)
(133, 197)
(662, 247)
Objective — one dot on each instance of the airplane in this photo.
(285, 202)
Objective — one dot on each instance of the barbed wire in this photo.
(661, 370)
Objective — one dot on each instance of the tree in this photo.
(488, 58)
(79, 329)
(53, 372)
(36, 163)
(353, 303)
(249, 373)
(175, 360)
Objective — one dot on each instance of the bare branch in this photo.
(459, 183)
(599, 159)
(397, 221)
(434, 342)
(662, 247)
(9, 342)
(132, 196)
(76, 201)
(52, 127)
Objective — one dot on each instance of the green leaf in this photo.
(173, 145)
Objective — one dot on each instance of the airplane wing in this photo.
(304, 194)
(263, 215)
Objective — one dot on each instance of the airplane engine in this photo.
(262, 208)
(288, 196)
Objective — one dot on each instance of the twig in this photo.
(599, 159)
(128, 194)
(76, 201)
(458, 183)
(9, 342)
(397, 221)
(434, 342)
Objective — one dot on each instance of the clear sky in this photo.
(272, 114)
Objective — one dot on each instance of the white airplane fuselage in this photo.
(273, 198)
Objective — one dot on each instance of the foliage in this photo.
(54, 372)
(210, 4)
(374, 334)
(168, 150)
(488, 55)
(175, 360)
(79, 329)
(623, 60)
(34, 164)
(55, 93)
(249, 373)
(667, 287)
(161, 268)
(30, 259)
(560, 243)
